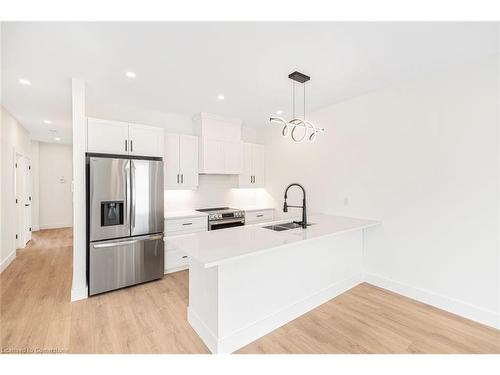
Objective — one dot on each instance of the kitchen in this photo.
(307, 207)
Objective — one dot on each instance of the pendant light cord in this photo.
(304, 100)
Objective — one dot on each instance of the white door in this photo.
(107, 137)
(27, 199)
(233, 157)
(212, 156)
(22, 187)
(189, 161)
(258, 165)
(145, 140)
(19, 193)
(171, 161)
(245, 177)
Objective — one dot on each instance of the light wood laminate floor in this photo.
(36, 316)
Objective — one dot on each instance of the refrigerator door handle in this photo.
(132, 196)
(114, 244)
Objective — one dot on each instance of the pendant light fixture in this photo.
(298, 128)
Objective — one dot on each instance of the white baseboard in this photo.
(252, 332)
(79, 293)
(55, 225)
(8, 260)
(466, 310)
(35, 228)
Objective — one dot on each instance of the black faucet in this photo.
(304, 214)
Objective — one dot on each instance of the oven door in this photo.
(227, 223)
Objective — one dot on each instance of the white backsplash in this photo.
(216, 191)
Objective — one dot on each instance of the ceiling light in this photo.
(24, 82)
(53, 130)
(220, 97)
(279, 112)
(48, 122)
(57, 138)
(308, 129)
(130, 74)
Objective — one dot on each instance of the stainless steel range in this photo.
(224, 217)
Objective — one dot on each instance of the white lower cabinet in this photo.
(175, 259)
(260, 216)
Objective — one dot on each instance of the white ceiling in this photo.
(182, 67)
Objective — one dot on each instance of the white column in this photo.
(79, 287)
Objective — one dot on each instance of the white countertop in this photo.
(254, 208)
(184, 214)
(216, 247)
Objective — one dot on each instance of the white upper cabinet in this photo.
(221, 149)
(123, 138)
(107, 137)
(171, 161)
(181, 161)
(189, 161)
(253, 166)
(145, 140)
(233, 157)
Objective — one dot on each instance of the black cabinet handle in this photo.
(131, 146)
(260, 215)
(126, 145)
(177, 177)
(182, 178)
(184, 256)
(187, 223)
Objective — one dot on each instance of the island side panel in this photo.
(261, 293)
(203, 308)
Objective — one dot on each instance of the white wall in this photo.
(55, 175)
(14, 139)
(423, 158)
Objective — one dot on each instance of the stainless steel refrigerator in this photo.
(124, 221)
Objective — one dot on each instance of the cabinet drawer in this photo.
(186, 225)
(175, 259)
(259, 216)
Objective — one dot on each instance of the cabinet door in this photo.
(212, 156)
(188, 161)
(258, 165)
(171, 161)
(107, 137)
(233, 157)
(245, 178)
(145, 140)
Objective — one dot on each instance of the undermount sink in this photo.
(285, 226)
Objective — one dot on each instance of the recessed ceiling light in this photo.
(220, 97)
(57, 138)
(48, 122)
(53, 130)
(130, 74)
(24, 82)
(279, 112)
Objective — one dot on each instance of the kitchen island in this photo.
(246, 281)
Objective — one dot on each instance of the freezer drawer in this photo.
(117, 264)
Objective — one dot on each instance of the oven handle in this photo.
(227, 221)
